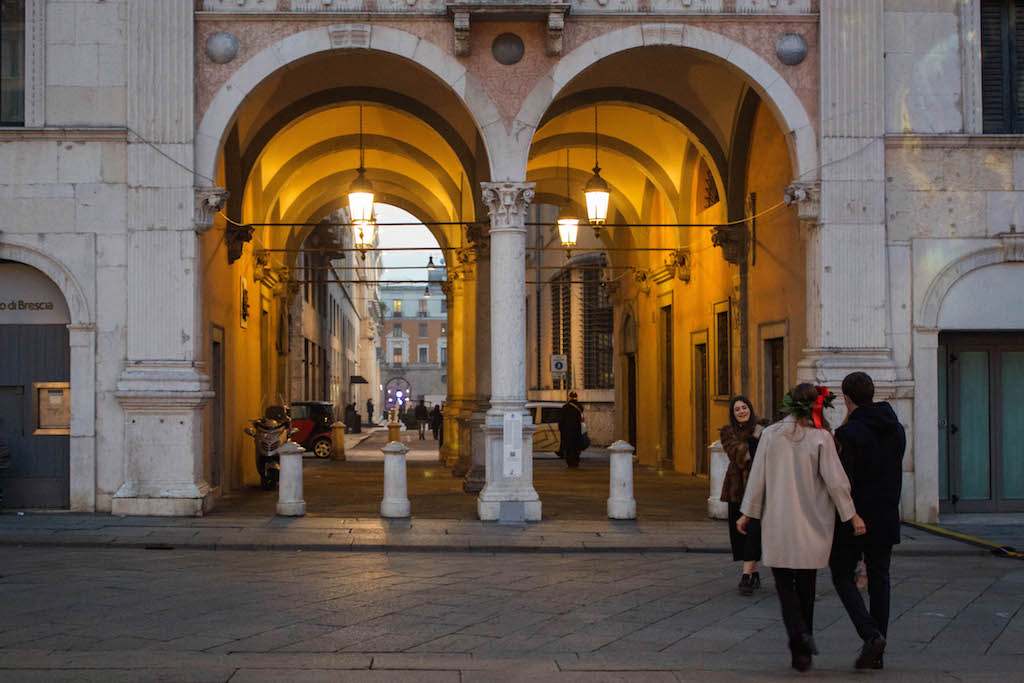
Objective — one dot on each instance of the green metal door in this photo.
(981, 422)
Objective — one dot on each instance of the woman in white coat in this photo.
(796, 486)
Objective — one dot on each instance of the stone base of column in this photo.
(162, 405)
(476, 474)
(499, 488)
(828, 367)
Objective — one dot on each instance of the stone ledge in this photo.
(108, 134)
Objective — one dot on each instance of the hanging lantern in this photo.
(363, 233)
(360, 192)
(360, 198)
(430, 263)
(568, 228)
(596, 191)
(426, 292)
(568, 222)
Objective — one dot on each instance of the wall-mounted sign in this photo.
(28, 297)
(512, 442)
(51, 408)
(559, 364)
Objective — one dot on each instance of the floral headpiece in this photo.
(809, 409)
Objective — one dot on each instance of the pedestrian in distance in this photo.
(369, 410)
(422, 418)
(871, 446)
(796, 485)
(570, 431)
(435, 420)
(739, 440)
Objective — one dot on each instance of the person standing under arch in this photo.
(570, 431)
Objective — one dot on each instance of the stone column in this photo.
(83, 421)
(163, 387)
(847, 283)
(921, 501)
(508, 430)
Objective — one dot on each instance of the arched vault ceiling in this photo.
(616, 157)
(607, 97)
(385, 181)
(347, 144)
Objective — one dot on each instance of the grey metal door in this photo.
(38, 476)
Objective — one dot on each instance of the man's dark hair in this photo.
(859, 387)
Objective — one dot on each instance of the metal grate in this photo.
(598, 367)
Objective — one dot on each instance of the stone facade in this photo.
(136, 164)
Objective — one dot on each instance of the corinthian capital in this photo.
(507, 204)
(807, 197)
(209, 200)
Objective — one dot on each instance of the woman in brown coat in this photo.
(796, 486)
(739, 440)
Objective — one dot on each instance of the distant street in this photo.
(112, 615)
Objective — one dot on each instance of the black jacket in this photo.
(570, 427)
(421, 412)
(872, 443)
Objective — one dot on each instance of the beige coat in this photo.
(795, 487)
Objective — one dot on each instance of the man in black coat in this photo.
(871, 446)
(570, 430)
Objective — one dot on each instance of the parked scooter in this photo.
(270, 432)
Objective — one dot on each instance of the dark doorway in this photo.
(35, 370)
(702, 436)
(668, 413)
(775, 376)
(217, 407)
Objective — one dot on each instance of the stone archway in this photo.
(82, 340)
(762, 77)
(216, 121)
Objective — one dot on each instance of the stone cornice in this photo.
(107, 134)
(954, 141)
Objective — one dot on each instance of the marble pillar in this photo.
(163, 386)
(844, 213)
(508, 430)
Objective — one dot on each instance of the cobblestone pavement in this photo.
(107, 614)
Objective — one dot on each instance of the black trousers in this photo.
(744, 548)
(796, 595)
(843, 564)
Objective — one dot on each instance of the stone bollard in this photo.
(621, 504)
(718, 464)
(396, 501)
(338, 430)
(289, 487)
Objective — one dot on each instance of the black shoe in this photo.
(745, 587)
(807, 641)
(801, 662)
(870, 653)
(755, 580)
(878, 663)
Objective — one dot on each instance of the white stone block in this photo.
(79, 162)
(72, 65)
(396, 42)
(34, 215)
(111, 70)
(100, 22)
(76, 105)
(1004, 212)
(100, 208)
(60, 23)
(436, 60)
(112, 162)
(27, 162)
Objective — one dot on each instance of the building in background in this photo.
(414, 342)
(334, 319)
